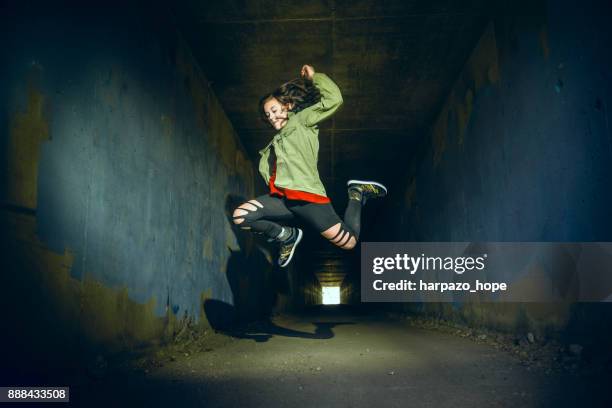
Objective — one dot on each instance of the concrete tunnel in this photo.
(131, 131)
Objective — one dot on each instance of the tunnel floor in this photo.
(338, 359)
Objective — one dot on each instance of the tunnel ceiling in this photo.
(395, 62)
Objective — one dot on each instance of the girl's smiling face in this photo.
(276, 112)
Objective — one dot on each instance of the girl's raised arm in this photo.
(331, 99)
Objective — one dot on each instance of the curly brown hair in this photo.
(300, 92)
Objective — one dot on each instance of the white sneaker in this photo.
(287, 249)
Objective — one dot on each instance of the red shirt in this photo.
(295, 194)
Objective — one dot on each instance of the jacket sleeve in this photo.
(331, 99)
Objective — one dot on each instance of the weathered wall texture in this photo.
(521, 151)
(119, 168)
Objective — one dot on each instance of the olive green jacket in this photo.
(296, 145)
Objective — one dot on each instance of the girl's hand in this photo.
(308, 72)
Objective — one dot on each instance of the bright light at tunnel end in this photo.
(331, 295)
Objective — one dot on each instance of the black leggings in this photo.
(263, 211)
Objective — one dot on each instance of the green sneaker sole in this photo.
(374, 183)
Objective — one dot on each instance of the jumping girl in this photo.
(288, 164)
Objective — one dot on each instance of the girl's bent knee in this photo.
(248, 206)
(257, 203)
(350, 244)
(331, 232)
(238, 213)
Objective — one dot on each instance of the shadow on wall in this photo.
(254, 281)
(251, 271)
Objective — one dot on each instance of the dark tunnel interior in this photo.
(132, 131)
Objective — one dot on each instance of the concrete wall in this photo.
(119, 168)
(521, 151)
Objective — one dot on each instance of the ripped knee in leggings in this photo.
(341, 236)
(244, 214)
